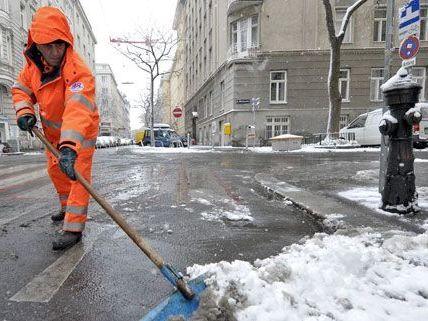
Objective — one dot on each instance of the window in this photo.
(419, 74)
(206, 106)
(211, 103)
(379, 29)
(278, 87)
(222, 94)
(244, 34)
(343, 121)
(423, 15)
(23, 16)
(358, 122)
(340, 14)
(3, 99)
(32, 10)
(104, 79)
(276, 125)
(4, 5)
(376, 81)
(344, 80)
(5, 46)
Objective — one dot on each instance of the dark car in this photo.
(5, 148)
(162, 138)
(184, 140)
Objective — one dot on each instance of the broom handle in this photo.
(132, 233)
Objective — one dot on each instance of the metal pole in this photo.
(386, 73)
(188, 140)
(152, 118)
(254, 123)
(246, 137)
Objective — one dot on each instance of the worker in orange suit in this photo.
(56, 78)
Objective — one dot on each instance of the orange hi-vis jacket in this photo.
(66, 102)
(66, 96)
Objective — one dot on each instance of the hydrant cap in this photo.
(401, 80)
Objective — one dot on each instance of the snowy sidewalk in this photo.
(336, 213)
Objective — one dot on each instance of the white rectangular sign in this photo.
(409, 20)
(408, 63)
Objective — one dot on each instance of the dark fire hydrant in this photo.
(401, 93)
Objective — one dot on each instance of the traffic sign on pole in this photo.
(409, 48)
(409, 20)
(177, 112)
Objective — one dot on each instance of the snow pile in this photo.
(402, 79)
(335, 277)
(201, 200)
(166, 150)
(370, 198)
(367, 175)
(236, 212)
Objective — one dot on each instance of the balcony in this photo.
(251, 52)
(237, 5)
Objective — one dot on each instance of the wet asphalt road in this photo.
(175, 201)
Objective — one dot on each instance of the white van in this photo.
(364, 130)
(420, 131)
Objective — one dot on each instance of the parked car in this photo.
(162, 137)
(420, 131)
(364, 130)
(184, 140)
(175, 139)
(5, 148)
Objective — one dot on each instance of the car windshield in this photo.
(160, 133)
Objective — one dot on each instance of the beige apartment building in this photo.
(278, 51)
(15, 18)
(112, 104)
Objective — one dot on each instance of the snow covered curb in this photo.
(328, 277)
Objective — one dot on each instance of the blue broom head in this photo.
(177, 305)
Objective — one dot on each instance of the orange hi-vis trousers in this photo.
(73, 197)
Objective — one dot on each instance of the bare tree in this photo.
(149, 53)
(335, 98)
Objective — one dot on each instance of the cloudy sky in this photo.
(111, 18)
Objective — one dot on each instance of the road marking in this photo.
(22, 178)
(44, 286)
(13, 169)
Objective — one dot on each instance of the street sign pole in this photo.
(386, 73)
(255, 101)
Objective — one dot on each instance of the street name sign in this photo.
(409, 63)
(177, 112)
(243, 101)
(409, 20)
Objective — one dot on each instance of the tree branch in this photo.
(347, 17)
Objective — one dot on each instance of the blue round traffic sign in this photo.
(409, 47)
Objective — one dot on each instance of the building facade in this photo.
(112, 104)
(15, 18)
(177, 77)
(278, 51)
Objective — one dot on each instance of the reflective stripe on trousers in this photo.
(78, 197)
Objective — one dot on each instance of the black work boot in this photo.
(66, 240)
(58, 216)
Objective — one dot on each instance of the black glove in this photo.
(26, 122)
(67, 159)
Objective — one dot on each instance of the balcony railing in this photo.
(250, 52)
(237, 5)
